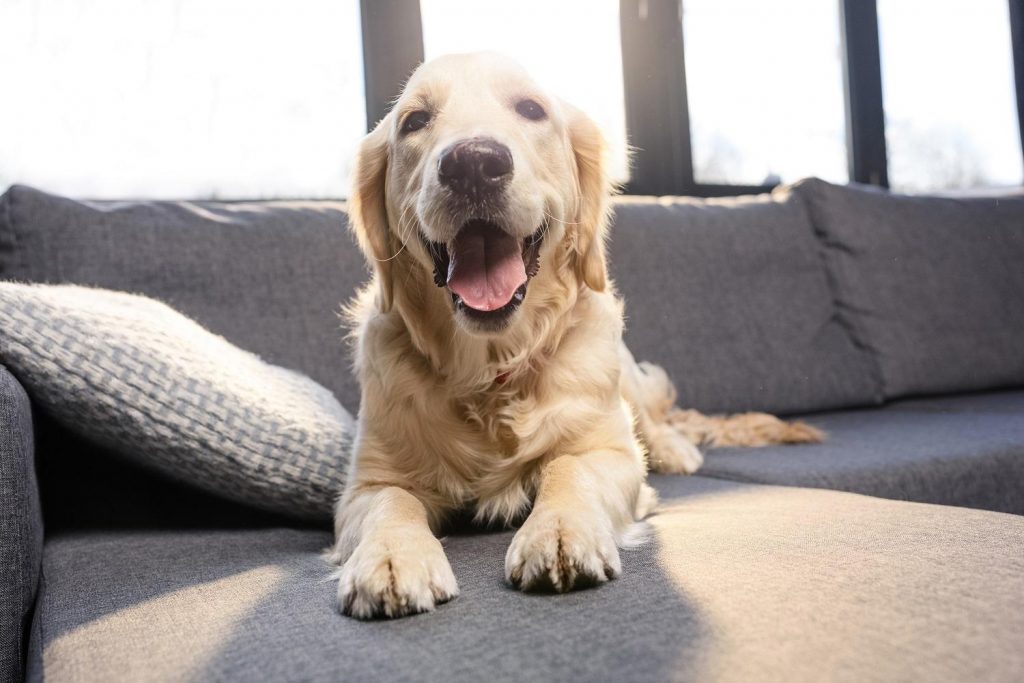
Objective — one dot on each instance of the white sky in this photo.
(947, 79)
(264, 98)
(765, 89)
(181, 98)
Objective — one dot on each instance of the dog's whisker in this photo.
(402, 222)
(405, 237)
(393, 256)
(558, 220)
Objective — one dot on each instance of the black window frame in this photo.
(654, 80)
(392, 49)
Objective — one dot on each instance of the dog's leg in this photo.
(650, 393)
(583, 508)
(672, 436)
(391, 562)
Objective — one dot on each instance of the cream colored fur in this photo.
(565, 436)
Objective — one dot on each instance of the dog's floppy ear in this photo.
(593, 191)
(368, 209)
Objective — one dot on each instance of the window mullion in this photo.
(654, 77)
(862, 78)
(392, 49)
(1017, 37)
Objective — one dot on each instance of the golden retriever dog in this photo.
(489, 349)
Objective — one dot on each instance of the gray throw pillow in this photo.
(155, 387)
(932, 286)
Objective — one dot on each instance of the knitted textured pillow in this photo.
(153, 386)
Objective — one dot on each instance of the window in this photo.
(585, 71)
(765, 90)
(265, 98)
(948, 91)
(181, 98)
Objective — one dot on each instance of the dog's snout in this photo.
(476, 167)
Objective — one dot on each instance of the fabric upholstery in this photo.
(269, 276)
(1011, 402)
(155, 387)
(933, 286)
(739, 583)
(732, 298)
(925, 451)
(21, 526)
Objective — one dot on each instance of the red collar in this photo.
(502, 377)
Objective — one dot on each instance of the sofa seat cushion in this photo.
(953, 451)
(731, 296)
(740, 582)
(1009, 402)
(933, 286)
(271, 277)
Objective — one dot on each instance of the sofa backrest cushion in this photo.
(934, 286)
(729, 295)
(269, 276)
(732, 298)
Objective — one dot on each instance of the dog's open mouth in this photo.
(485, 268)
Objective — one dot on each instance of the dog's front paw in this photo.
(395, 576)
(559, 551)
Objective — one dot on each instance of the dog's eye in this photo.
(415, 120)
(530, 110)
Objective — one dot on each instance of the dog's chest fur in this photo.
(465, 436)
(497, 454)
(508, 431)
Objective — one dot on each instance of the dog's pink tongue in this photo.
(486, 267)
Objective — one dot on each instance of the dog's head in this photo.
(484, 180)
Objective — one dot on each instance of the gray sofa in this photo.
(893, 551)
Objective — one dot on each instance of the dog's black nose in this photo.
(475, 168)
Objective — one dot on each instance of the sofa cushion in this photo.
(731, 297)
(269, 276)
(145, 381)
(1010, 402)
(740, 582)
(922, 451)
(933, 286)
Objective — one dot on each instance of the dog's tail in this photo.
(744, 429)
